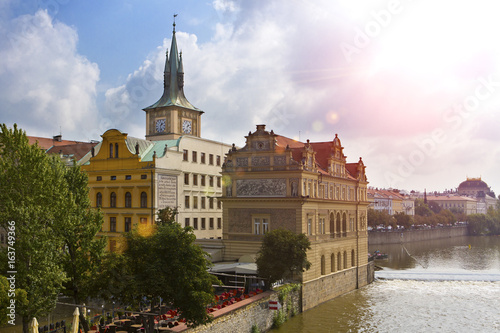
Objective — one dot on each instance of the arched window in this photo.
(112, 200)
(332, 264)
(144, 200)
(339, 261)
(98, 199)
(116, 150)
(128, 200)
(332, 225)
(323, 268)
(337, 223)
(345, 259)
(344, 225)
(110, 150)
(353, 258)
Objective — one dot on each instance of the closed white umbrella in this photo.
(76, 314)
(33, 328)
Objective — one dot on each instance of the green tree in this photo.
(32, 188)
(422, 209)
(379, 217)
(282, 254)
(434, 206)
(78, 227)
(403, 219)
(4, 299)
(168, 264)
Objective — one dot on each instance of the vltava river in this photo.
(435, 286)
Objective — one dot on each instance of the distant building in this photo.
(275, 182)
(473, 187)
(392, 201)
(455, 203)
(478, 189)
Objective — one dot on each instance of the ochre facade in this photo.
(275, 182)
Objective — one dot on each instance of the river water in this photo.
(446, 285)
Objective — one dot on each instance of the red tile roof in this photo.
(46, 143)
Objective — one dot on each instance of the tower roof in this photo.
(173, 81)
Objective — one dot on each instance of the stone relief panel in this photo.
(261, 187)
(279, 160)
(260, 161)
(241, 162)
(261, 145)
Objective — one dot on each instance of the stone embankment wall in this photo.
(329, 286)
(256, 312)
(395, 237)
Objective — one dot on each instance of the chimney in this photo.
(57, 138)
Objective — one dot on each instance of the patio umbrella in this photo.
(76, 314)
(33, 328)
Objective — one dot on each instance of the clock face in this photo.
(186, 126)
(160, 125)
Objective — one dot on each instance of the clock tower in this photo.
(172, 115)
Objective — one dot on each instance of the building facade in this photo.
(276, 182)
(131, 178)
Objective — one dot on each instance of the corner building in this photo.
(275, 182)
(131, 178)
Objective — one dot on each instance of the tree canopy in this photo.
(282, 254)
(43, 202)
(168, 264)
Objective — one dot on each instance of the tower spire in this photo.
(173, 79)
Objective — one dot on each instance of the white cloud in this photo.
(45, 85)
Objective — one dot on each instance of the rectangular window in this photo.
(211, 203)
(256, 226)
(195, 223)
(195, 202)
(219, 182)
(144, 220)
(186, 222)
(128, 177)
(185, 155)
(309, 226)
(195, 156)
(128, 224)
(203, 203)
(218, 160)
(202, 180)
(202, 157)
(219, 204)
(211, 181)
(265, 225)
(186, 201)
(99, 178)
(195, 179)
(211, 159)
(219, 223)
(203, 223)
(211, 223)
(186, 179)
(113, 177)
(144, 176)
(112, 224)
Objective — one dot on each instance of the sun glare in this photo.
(435, 39)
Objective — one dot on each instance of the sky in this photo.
(412, 87)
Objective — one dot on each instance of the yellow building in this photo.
(131, 178)
(276, 182)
